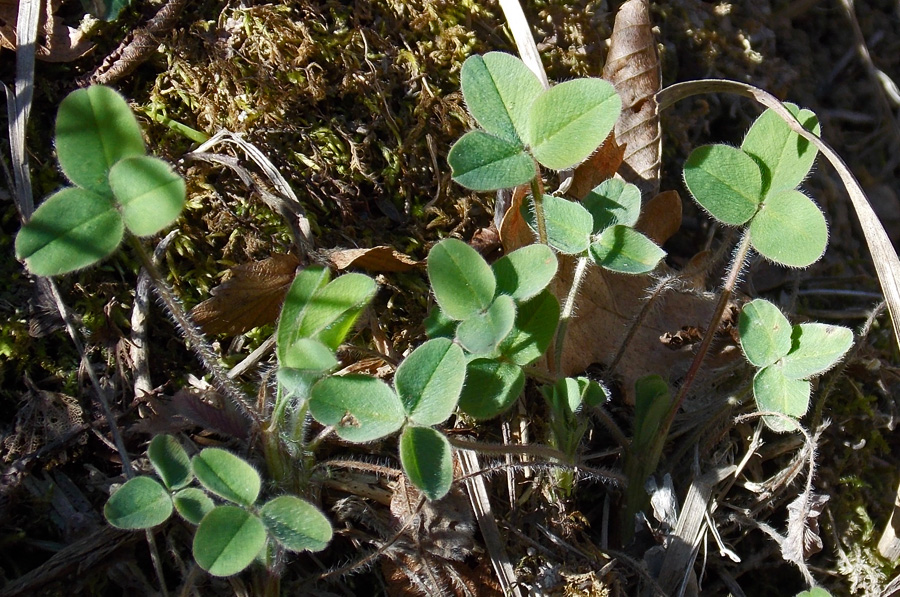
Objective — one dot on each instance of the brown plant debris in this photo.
(632, 66)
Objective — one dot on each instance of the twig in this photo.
(134, 52)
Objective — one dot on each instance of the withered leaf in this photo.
(661, 217)
(632, 66)
(57, 41)
(802, 538)
(514, 230)
(375, 259)
(686, 336)
(251, 297)
(606, 307)
(601, 165)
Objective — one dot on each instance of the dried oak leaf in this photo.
(251, 297)
(57, 42)
(601, 165)
(661, 217)
(606, 308)
(632, 66)
(375, 259)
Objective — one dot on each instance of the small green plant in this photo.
(524, 127)
(229, 536)
(117, 187)
(756, 186)
(492, 324)
(787, 357)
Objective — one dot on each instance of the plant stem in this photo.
(536, 450)
(193, 335)
(537, 196)
(568, 308)
(737, 265)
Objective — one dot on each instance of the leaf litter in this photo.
(274, 74)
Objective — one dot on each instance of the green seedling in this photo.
(566, 398)
(652, 402)
(522, 123)
(230, 536)
(756, 186)
(117, 187)
(787, 357)
(524, 127)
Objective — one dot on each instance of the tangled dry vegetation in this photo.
(356, 104)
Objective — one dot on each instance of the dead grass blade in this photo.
(481, 505)
(521, 32)
(884, 257)
(18, 103)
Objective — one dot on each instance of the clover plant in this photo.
(491, 323)
(787, 357)
(524, 127)
(755, 185)
(117, 187)
(230, 535)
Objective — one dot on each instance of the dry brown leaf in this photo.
(802, 538)
(375, 259)
(632, 66)
(514, 230)
(59, 42)
(605, 309)
(602, 165)
(661, 217)
(250, 298)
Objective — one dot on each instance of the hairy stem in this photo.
(537, 196)
(194, 336)
(737, 265)
(568, 308)
(536, 450)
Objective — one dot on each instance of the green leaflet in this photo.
(462, 282)
(72, 229)
(483, 162)
(784, 157)
(789, 229)
(625, 250)
(570, 120)
(427, 460)
(725, 181)
(499, 90)
(765, 332)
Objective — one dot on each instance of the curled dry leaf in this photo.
(59, 42)
(602, 165)
(802, 538)
(375, 259)
(514, 230)
(661, 217)
(606, 308)
(632, 66)
(251, 297)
